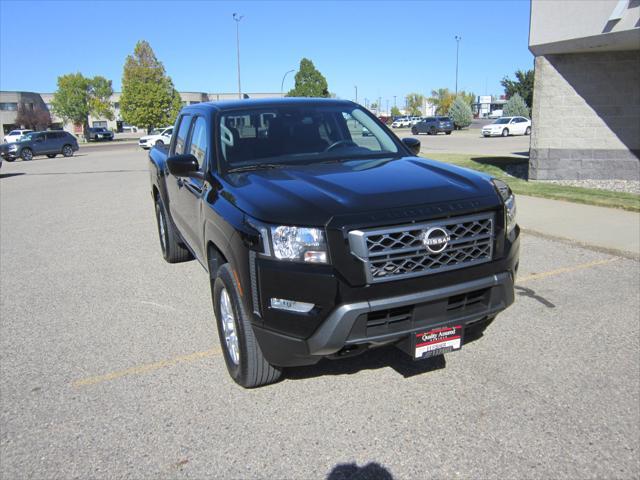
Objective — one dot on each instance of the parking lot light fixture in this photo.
(282, 84)
(237, 19)
(458, 38)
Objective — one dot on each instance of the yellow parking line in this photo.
(558, 271)
(149, 367)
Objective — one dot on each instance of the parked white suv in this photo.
(14, 135)
(157, 137)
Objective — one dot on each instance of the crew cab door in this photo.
(185, 193)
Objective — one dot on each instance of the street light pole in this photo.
(458, 38)
(282, 84)
(356, 87)
(237, 19)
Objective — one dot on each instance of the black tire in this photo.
(67, 151)
(159, 143)
(433, 132)
(249, 369)
(9, 159)
(414, 131)
(505, 132)
(26, 154)
(172, 249)
(51, 155)
(448, 133)
(527, 131)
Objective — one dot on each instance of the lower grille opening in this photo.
(390, 316)
(469, 299)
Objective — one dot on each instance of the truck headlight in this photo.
(509, 200)
(299, 244)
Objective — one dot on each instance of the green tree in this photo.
(523, 85)
(395, 111)
(468, 97)
(415, 102)
(515, 106)
(77, 97)
(309, 82)
(442, 99)
(148, 98)
(460, 113)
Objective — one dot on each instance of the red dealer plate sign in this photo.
(437, 341)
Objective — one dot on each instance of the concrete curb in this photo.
(596, 248)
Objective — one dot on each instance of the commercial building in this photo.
(586, 103)
(10, 101)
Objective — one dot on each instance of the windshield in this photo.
(291, 134)
(156, 131)
(26, 136)
(502, 121)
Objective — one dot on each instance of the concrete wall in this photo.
(586, 116)
(562, 21)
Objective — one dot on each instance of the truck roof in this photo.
(267, 102)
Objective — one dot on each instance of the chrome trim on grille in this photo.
(399, 252)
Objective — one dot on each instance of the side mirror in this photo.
(183, 165)
(413, 144)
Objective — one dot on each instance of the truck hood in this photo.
(314, 194)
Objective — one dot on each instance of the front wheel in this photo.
(505, 132)
(26, 154)
(159, 143)
(527, 131)
(67, 151)
(172, 250)
(244, 359)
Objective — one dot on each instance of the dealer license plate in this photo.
(437, 341)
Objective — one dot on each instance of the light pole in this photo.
(237, 19)
(283, 77)
(394, 102)
(387, 112)
(356, 87)
(458, 38)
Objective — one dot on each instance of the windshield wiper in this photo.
(258, 166)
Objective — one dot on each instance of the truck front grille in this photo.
(403, 252)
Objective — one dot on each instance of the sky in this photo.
(385, 48)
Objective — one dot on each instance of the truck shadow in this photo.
(351, 471)
(374, 359)
(7, 175)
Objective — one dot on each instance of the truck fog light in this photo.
(315, 257)
(291, 305)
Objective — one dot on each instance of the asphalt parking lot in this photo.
(110, 365)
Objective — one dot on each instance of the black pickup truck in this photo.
(322, 242)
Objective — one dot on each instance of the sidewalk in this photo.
(609, 229)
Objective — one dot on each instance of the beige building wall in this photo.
(586, 103)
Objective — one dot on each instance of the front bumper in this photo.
(391, 320)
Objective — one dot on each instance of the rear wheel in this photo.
(172, 250)
(505, 132)
(245, 362)
(26, 154)
(67, 151)
(527, 131)
(433, 131)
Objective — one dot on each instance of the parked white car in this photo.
(495, 114)
(506, 126)
(14, 135)
(401, 122)
(157, 137)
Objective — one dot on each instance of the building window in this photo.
(9, 107)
